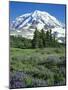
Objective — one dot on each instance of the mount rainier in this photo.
(26, 24)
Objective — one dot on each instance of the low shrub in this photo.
(57, 50)
(28, 81)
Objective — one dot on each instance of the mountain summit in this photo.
(26, 24)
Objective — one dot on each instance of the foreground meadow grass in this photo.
(37, 67)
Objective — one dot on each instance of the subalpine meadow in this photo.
(34, 64)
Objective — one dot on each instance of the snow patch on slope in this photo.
(26, 24)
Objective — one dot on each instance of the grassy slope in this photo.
(34, 63)
(42, 52)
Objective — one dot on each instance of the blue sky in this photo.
(18, 8)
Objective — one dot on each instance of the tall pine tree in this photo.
(43, 37)
(50, 38)
(35, 41)
(47, 38)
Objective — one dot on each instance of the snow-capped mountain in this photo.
(26, 24)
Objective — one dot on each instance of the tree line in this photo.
(40, 40)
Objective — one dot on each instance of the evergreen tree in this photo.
(42, 35)
(50, 38)
(47, 37)
(40, 43)
(54, 42)
(35, 41)
(50, 35)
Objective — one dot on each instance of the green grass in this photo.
(44, 64)
(42, 52)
